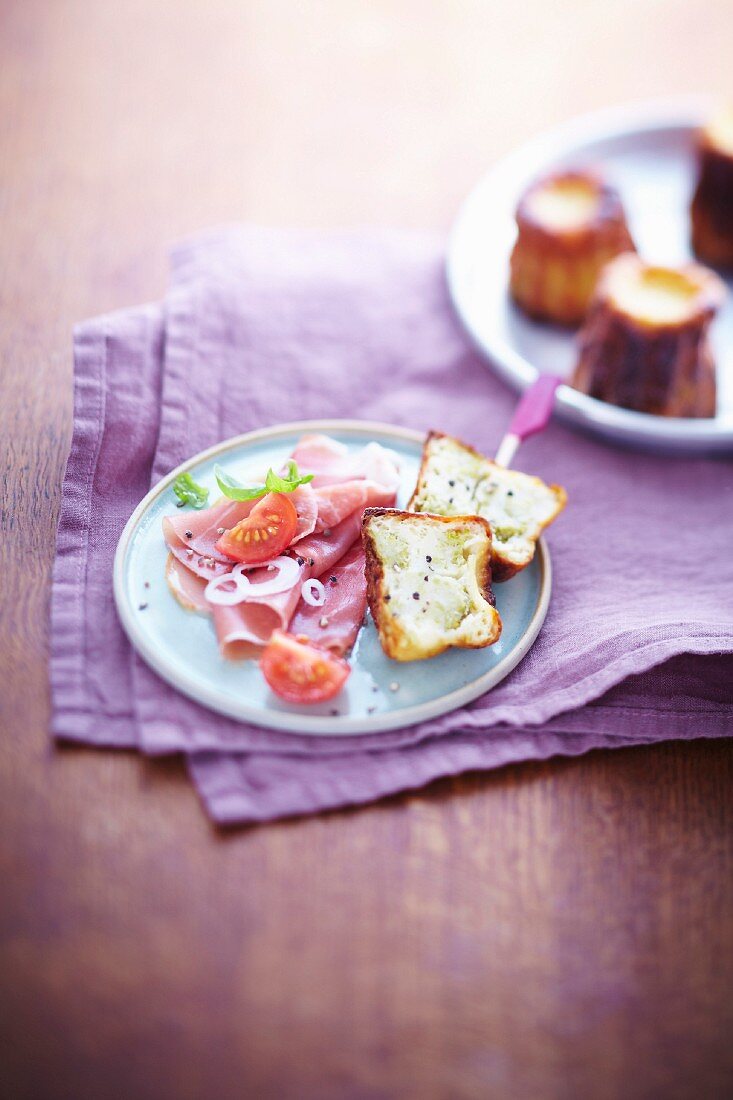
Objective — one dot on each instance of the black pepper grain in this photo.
(416, 595)
(142, 607)
(428, 558)
(300, 561)
(425, 578)
(333, 580)
(451, 483)
(510, 493)
(189, 534)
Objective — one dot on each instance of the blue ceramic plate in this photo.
(181, 646)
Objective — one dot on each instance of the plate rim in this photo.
(285, 721)
(676, 433)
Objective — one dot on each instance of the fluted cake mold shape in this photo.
(569, 225)
(645, 344)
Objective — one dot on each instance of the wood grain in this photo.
(555, 930)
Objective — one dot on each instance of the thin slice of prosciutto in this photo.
(242, 629)
(331, 462)
(199, 553)
(336, 623)
(306, 505)
(329, 522)
(192, 537)
(187, 587)
(337, 501)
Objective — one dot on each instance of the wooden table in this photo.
(555, 930)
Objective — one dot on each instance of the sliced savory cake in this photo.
(429, 582)
(455, 480)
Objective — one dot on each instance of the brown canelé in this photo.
(711, 211)
(645, 344)
(569, 224)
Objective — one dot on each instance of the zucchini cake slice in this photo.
(429, 582)
(455, 480)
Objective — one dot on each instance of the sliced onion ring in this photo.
(227, 597)
(286, 575)
(313, 593)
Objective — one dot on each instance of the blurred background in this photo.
(155, 119)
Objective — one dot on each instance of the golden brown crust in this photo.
(663, 366)
(391, 635)
(503, 566)
(374, 573)
(554, 268)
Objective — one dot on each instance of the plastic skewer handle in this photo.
(531, 415)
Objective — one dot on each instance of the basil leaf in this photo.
(190, 492)
(274, 483)
(233, 489)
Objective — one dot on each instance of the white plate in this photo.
(647, 152)
(181, 646)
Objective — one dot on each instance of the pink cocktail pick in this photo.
(530, 416)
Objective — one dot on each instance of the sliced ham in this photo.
(323, 550)
(306, 505)
(337, 622)
(329, 523)
(198, 553)
(336, 502)
(244, 627)
(316, 453)
(242, 630)
(331, 462)
(187, 587)
(378, 464)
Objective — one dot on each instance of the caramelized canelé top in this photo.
(659, 297)
(569, 205)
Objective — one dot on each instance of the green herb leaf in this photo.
(189, 492)
(233, 489)
(274, 483)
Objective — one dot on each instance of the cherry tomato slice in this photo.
(264, 533)
(300, 672)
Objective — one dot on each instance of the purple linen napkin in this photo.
(265, 326)
(687, 697)
(262, 326)
(117, 371)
